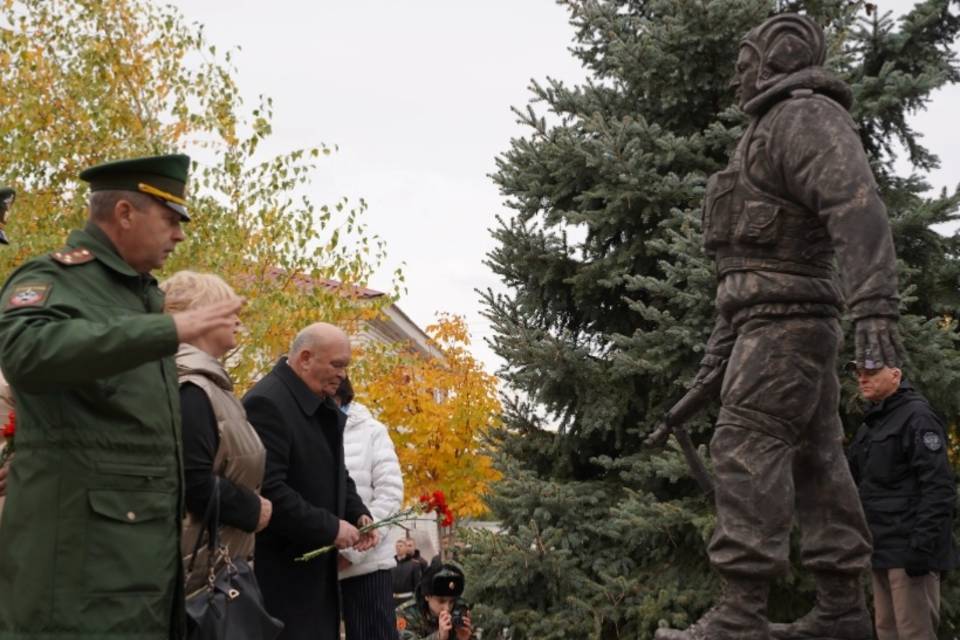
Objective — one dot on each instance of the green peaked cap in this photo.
(7, 196)
(163, 177)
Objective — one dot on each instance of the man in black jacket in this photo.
(406, 575)
(899, 461)
(315, 503)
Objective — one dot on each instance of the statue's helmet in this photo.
(785, 44)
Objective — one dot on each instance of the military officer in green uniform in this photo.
(89, 542)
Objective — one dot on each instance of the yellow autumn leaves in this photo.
(438, 411)
(83, 81)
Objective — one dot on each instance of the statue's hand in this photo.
(659, 435)
(711, 367)
(705, 388)
(878, 343)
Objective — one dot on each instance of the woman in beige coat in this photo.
(217, 439)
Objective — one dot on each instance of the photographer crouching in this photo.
(437, 611)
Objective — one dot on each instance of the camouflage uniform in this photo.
(415, 624)
(797, 198)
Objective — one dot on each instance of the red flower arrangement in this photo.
(435, 502)
(9, 430)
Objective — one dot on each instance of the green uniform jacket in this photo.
(414, 624)
(90, 537)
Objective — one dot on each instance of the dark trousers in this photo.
(778, 453)
(368, 611)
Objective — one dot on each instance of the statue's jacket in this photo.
(797, 200)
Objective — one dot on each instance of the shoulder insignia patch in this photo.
(28, 295)
(71, 257)
(931, 440)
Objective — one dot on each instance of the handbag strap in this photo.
(210, 524)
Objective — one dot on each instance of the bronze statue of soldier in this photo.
(797, 229)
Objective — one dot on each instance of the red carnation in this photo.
(434, 502)
(447, 519)
(10, 429)
(437, 503)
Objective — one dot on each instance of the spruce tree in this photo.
(610, 301)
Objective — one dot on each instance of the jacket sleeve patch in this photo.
(28, 295)
(931, 440)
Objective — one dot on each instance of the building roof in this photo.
(391, 327)
(395, 326)
(306, 282)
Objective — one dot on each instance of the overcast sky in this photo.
(417, 95)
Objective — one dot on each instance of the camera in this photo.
(460, 609)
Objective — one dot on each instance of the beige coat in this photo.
(240, 456)
(6, 398)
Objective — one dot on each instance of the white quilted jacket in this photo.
(373, 465)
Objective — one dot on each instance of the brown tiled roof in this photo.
(306, 282)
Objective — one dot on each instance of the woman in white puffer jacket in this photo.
(365, 577)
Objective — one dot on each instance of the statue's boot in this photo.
(839, 614)
(740, 615)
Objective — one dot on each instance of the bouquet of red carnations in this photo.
(9, 430)
(435, 502)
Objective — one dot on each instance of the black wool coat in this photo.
(311, 492)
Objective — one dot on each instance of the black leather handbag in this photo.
(230, 605)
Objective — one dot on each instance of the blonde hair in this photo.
(188, 290)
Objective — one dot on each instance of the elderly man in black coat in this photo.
(315, 503)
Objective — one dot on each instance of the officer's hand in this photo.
(347, 535)
(917, 564)
(199, 322)
(445, 625)
(878, 343)
(266, 510)
(466, 631)
(4, 470)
